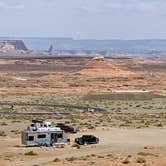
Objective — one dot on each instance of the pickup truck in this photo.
(87, 139)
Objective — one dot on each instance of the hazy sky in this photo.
(100, 19)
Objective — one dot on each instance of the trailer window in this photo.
(60, 135)
(41, 136)
(32, 125)
(31, 138)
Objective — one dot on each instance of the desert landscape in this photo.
(128, 94)
(83, 83)
(81, 75)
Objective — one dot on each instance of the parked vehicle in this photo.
(87, 139)
(42, 133)
(66, 128)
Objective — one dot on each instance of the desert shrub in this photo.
(147, 123)
(84, 124)
(159, 124)
(127, 121)
(147, 154)
(15, 131)
(97, 123)
(91, 127)
(71, 159)
(126, 161)
(76, 146)
(67, 122)
(56, 160)
(30, 153)
(74, 121)
(93, 155)
(109, 155)
(83, 158)
(88, 156)
(140, 160)
(2, 134)
(16, 121)
(92, 163)
(142, 121)
(138, 105)
(4, 124)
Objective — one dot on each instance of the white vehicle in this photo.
(41, 133)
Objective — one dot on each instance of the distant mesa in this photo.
(12, 45)
(102, 66)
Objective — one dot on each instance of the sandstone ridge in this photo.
(12, 45)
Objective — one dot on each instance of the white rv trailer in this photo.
(41, 133)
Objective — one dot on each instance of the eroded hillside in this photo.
(81, 75)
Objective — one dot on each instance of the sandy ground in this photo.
(118, 142)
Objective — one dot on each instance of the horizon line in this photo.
(72, 38)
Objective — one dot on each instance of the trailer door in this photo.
(54, 137)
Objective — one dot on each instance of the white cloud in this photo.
(93, 6)
(147, 6)
(143, 6)
(6, 5)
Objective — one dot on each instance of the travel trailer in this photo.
(42, 133)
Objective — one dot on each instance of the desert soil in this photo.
(81, 75)
(136, 117)
(118, 142)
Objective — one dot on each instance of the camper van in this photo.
(42, 133)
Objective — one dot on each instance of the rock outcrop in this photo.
(12, 45)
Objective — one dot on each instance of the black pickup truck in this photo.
(87, 139)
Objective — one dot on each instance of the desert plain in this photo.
(131, 92)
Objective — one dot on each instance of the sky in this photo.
(84, 19)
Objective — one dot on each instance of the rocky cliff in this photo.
(12, 45)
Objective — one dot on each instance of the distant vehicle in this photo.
(87, 139)
(91, 110)
(66, 128)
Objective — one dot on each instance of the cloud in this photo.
(91, 6)
(7, 5)
(141, 6)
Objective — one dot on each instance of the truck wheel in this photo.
(85, 143)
